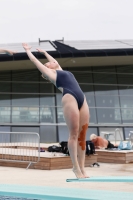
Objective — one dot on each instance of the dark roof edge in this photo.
(64, 51)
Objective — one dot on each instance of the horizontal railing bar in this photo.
(20, 133)
(28, 151)
(57, 107)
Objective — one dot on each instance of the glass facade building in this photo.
(30, 103)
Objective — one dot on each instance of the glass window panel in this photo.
(83, 77)
(89, 94)
(63, 133)
(47, 115)
(127, 132)
(127, 115)
(60, 115)
(5, 99)
(108, 115)
(87, 89)
(126, 79)
(25, 87)
(79, 69)
(126, 101)
(107, 101)
(58, 91)
(25, 100)
(46, 88)
(25, 75)
(48, 134)
(58, 99)
(25, 114)
(126, 90)
(5, 114)
(93, 119)
(102, 131)
(47, 100)
(5, 137)
(90, 131)
(104, 69)
(125, 69)
(5, 76)
(5, 87)
(105, 78)
(90, 100)
(25, 137)
(106, 89)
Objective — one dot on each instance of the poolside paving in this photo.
(57, 178)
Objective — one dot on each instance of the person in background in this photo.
(101, 143)
(9, 52)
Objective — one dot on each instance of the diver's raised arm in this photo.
(48, 73)
(50, 58)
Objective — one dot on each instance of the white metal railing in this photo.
(20, 147)
(107, 134)
(131, 137)
(117, 131)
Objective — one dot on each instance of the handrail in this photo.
(20, 147)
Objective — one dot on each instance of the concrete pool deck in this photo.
(57, 178)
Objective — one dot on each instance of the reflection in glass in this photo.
(106, 90)
(5, 87)
(47, 100)
(127, 115)
(47, 110)
(46, 87)
(104, 69)
(25, 87)
(90, 131)
(108, 115)
(30, 75)
(125, 79)
(125, 69)
(127, 132)
(5, 99)
(87, 89)
(109, 95)
(5, 113)
(126, 90)
(90, 100)
(111, 130)
(126, 101)
(93, 119)
(25, 114)
(60, 115)
(83, 77)
(47, 114)
(58, 98)
(25, 99)
(105, 78)
(107, 101)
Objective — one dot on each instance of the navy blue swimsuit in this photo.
(67, 81)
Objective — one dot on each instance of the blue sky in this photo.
(28, 20)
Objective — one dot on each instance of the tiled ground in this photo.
(57, 178)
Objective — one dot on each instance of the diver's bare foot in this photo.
(84, 173)
(78, 173)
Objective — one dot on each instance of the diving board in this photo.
(103, 179)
